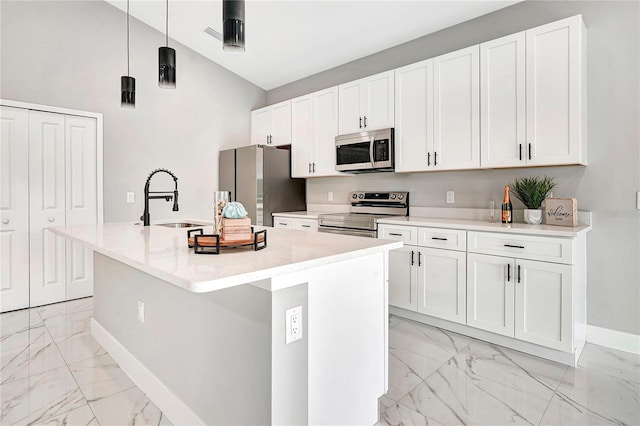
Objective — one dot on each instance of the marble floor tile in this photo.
(459, 393)
(590, 394)
(79, 347)
(39, 397)
(429, 341)
(61, 326)
(399, 415)
(11, 322)
(76, 417)
(40, 355)
(623, 365)
(100, 377)
(406, 370)
(66, 308)
(130, 407)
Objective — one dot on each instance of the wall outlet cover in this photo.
(293, 324)
(450, 197)
(130, 197)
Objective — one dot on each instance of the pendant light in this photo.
(167, 61)
(127, 83)
(233, 26)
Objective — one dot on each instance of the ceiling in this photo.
(290, 40)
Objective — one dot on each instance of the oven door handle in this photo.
(373, 163)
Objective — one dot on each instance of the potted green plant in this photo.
(532, 191)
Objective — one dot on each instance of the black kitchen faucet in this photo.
(160, 194)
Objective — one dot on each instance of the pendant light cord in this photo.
(166, 32)
(128, 73)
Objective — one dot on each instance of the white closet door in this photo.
(14, 209)
(47, 206)
(81, 200)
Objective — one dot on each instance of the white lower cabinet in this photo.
(427, 280)
(529, 288)
(295, 223)
(525, 299)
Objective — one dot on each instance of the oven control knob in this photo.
(354, 196)
(361, 196)
(400, 196)
(393, 196)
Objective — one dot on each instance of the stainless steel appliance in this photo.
(259, 177)
(366, 209)
(365, 152)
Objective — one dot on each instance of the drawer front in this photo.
(547, 249)
(283, 222)
(305, 224)
(451, 239)
(406, 234)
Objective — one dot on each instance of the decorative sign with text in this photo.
(561, 211)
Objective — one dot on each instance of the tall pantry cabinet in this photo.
(51, 176)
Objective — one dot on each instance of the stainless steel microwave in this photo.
(365, 152)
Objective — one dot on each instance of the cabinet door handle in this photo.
(520, 154)
(439, 238)
(513, 246)
(428, 158)
(314, 167)
(435, 158)
(5, 221)
(283, 224)
(412, 257)
(419, 259)
(361, 122)
(529, 151)
(365, 121)
(51, 219)
(309, 167)
(508, 272)
(518, 273)
(395, 234)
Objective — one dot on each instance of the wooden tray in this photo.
(211, 244)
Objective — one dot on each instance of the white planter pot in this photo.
(533, 216)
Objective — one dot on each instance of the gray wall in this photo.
(72, 54)
(606, 186)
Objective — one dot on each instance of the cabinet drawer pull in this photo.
(529, 151)
(518, 273)
(513, 246)
(306, 226)
(439, 238)
(428, 158)
(520, 155)
(419, 259)
(508, 272)
(395, 234)
(412, 257)
(283, 224)
(435, 158)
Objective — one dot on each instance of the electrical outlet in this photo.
(293, 324)
(329, 196)
(141, 311)
(450, 197)
(130, 197)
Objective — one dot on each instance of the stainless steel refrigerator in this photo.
(259, 177)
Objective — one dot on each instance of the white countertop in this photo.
(299, 215)
(478, 225)
(162, 252)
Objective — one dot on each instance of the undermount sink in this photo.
(180, 225)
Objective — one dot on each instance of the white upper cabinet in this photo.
(366, 104)
(502, 95)
(271, 125)
(14, 208)
(556, 111)
(532, 94)
(457, 110)
(314, 125)
(414, 117)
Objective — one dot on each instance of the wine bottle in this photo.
(507, 209)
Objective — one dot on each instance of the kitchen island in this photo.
(204, 335)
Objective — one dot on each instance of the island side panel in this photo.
(212, 350)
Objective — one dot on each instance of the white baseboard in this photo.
(169, 403)
(613, 339)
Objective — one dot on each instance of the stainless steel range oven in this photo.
(366, 209)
